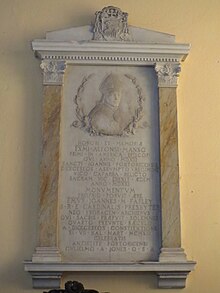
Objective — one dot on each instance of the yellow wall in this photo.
(193, 21)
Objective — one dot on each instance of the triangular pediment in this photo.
(85, 33)
(110, 38)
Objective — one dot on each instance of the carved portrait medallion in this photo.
(113, 114)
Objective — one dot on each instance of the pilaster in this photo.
(47, 250)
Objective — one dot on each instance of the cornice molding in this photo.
(107, 52)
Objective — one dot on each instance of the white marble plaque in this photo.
(103, 186)
(109, 171)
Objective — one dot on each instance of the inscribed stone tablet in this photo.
(109, 181)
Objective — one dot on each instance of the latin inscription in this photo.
(111, 213)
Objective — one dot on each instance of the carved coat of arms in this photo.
(111, 25)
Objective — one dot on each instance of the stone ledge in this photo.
(170, 274)
(46, 280)
(172, 280)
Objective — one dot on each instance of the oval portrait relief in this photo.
(118, 109)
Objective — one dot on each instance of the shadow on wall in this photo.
(113, 282)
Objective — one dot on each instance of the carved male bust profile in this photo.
(104, 117)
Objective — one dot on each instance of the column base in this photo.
(46, 254)
(172, 255)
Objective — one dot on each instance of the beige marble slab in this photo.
(169, 168)
(50, 166)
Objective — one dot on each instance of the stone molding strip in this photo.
(91, 52)
(170, 274)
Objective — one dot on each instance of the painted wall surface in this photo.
(196, 22)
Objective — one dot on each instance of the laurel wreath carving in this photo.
(139, 111)
(82, 121)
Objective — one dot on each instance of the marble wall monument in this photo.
(109, 194)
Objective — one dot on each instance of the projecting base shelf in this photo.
(48, 274)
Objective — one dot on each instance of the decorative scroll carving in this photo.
(111, 25)
(106, 117)
(53, 71)
(73, 287)
(167, 74)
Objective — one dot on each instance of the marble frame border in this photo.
(46, 266)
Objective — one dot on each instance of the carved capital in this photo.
(111, 25)
(53, 72)
(167, 74)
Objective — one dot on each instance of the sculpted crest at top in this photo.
(111, 25)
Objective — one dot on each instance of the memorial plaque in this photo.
(109, 187)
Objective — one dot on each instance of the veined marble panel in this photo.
(169, 168)
(50, 166)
